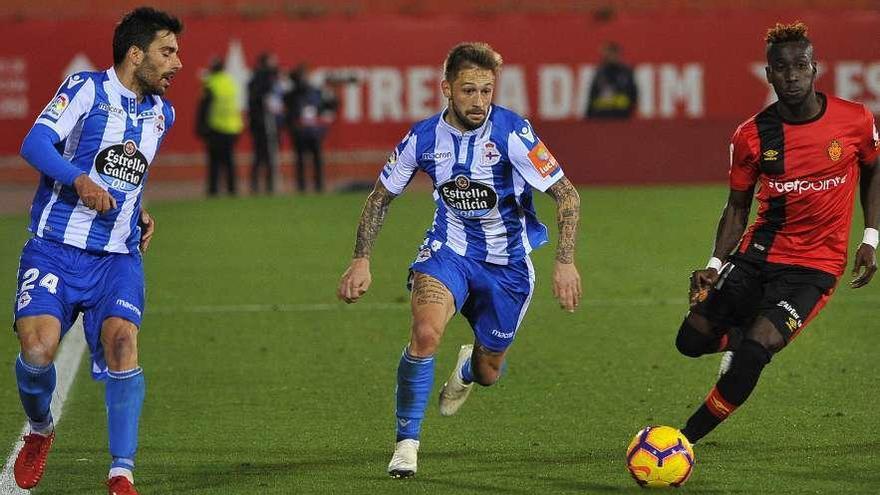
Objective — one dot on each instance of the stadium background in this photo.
(260, 381)
(698, 64)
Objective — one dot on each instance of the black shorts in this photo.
(787, 295)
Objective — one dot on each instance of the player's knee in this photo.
(425, 338)
(691, 342)
(37, 348)
(768, 336)
(37, 352)
(119, 338)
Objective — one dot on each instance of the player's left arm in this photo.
(865, 265)
(148, 227)
(566, 279)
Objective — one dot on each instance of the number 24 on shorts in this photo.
(49, 281)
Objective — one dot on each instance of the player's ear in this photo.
(447, 88)
(767, 74)
(135, 55)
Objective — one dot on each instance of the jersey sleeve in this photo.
(73, 99)
(531, 158)
(401, 165)
(743, 161)
(869, 140)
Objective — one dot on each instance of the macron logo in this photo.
(801, 186)
(129, 306)
(74, 81)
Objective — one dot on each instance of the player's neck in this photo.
(807, 110)
(127, 79)
(452, 119)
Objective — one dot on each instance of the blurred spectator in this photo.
(219, 123)
(310, 110)
(613, 92)
(265, 109)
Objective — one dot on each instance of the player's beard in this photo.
(462, 118)
(148, 77)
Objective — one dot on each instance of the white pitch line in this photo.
(66, 364)
(318, 307)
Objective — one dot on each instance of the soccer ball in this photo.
(660, 456)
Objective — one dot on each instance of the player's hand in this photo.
(93, 196)
(355, 281)
(701, 282)
(864, 267)
(148, 226)
(567, 286)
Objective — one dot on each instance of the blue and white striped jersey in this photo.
(104, 131)
(483, 182)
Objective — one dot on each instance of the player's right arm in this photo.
(356, 279)
(71, 103)
(734, 217)
(395, 176)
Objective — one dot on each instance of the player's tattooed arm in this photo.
(372, 218)
(357, 279)
(566, 279)
(568, 211)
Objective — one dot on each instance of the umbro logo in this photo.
(404, 422)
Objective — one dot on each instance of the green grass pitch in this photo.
(259, 381)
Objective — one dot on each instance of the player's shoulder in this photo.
(426, 125)
(838, 104)
(748, 129)
(507, 118)
(77, 81)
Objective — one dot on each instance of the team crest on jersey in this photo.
(121, 166)
(424, 255)
(58, 106)
(159, 124)
(491, 155)
(468, 198)
(23, 300)
(835, 150)
(543, 161)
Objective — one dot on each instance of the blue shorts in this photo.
(493, 298)
(63, 281)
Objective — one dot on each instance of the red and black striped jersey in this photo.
(807, 174)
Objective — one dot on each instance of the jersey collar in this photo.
(478, 131)
(117, 85)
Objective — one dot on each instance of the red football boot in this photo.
(119, 485)
(31, 460)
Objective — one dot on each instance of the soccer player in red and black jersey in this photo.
(805, 153)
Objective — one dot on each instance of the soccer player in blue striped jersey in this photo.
(93, 145)
(483, 161)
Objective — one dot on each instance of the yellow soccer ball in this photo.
(660, 456)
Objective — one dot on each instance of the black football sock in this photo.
(731, 391)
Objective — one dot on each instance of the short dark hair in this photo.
(139, 27)
(464, 55)
(787, 33)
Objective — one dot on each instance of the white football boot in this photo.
(405, 459)
(455, 391)
(724, 366)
